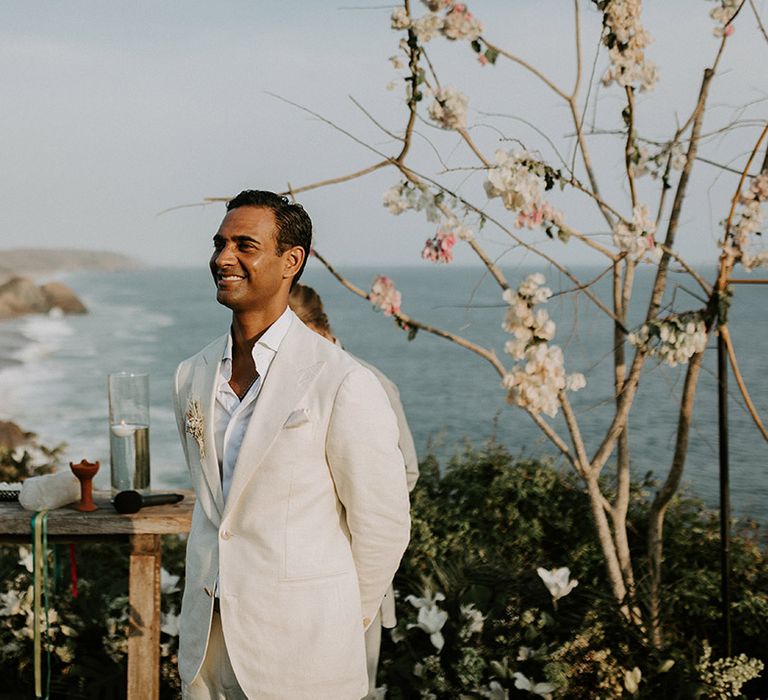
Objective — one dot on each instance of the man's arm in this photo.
(369, 474)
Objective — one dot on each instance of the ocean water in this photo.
(53, 370)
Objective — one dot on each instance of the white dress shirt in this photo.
(231, 415)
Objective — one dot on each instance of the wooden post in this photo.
(144, 618)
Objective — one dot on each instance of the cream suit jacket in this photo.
(313, 529)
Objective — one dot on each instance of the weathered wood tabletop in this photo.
(143, 531)
(153, 520)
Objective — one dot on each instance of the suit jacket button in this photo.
(225, 534)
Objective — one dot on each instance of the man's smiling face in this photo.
(246, 268)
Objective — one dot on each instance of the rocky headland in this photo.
(22, 269)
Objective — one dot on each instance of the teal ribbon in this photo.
(40, 578)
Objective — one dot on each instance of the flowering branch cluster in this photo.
(520, 181)
(536, 385)
(749, 222)
(675, 339)
(635, 238)
(722, 14)
(439, 248)
(626, 40)
(457, 23)
(384, 296)
(449, 108)
(643, 163)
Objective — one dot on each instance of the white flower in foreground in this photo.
(524, 653)
(430, 619)
(170, 624)
(11, 603)
(449, 108)
(523, 683)
(495, 691)
(168, 582)
(632, 680)
(25, 558)
(474, 621)
(557, 581)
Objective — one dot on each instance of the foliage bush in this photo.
(480, 531)
(481, 528)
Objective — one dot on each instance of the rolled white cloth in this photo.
(49, 491)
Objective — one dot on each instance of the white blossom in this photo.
(474, 621)
(517, 179)
(722, 14)
(430, 618)
(674, 339)
(168, 582)
(449, 108)
(558, 581)
(636, 238)
(632, 680)
(512, 181)
(678, 159)
(400, 19)
(524, 653)
(626, 39)
(169, 624)
(747, 226)
(542, 689)
(495, 691)
(536, 384)
(427, 27)
(460, 23)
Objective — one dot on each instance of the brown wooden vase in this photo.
(85, 471)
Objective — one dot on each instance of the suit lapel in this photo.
(204, 390)
(287, 381)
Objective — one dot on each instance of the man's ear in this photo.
(293, 258)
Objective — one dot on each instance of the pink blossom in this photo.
(482, 60)
(536, 214)
(384, 296)
(439, 248)
(730, 29)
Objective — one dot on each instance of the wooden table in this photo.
(142, 530)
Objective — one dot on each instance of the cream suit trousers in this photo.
(216, 680)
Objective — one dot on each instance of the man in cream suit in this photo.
(302, 506)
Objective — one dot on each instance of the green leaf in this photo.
(476, 46)
(491, 55)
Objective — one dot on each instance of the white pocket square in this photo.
(298, 417)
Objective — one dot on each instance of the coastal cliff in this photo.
(22, 268)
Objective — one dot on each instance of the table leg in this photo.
(144, 618)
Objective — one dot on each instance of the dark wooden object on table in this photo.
(143, 531)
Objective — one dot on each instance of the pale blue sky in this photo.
(112, 112)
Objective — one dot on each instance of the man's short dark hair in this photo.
(294, 227)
